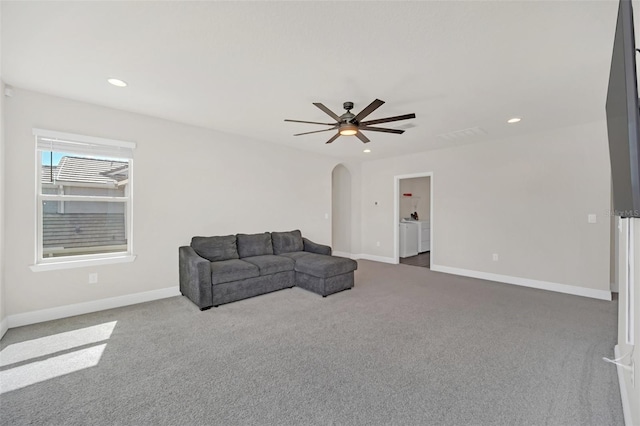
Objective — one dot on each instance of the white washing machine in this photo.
(409, 239)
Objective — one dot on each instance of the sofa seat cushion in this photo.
(322, 266)
(287, 242)
(270, 264)
(254, 244)
(295, 255)
(215, 249)
(232, 270)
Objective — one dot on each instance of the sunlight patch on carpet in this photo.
(34, 361)
(36, 372)
(49, 345)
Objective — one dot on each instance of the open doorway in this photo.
(414, 219)
(341, 228)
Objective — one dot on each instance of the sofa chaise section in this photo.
(323, 275)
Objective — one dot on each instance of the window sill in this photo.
(70, 264)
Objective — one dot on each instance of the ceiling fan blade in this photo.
(381, 129)
(309, 122)
(327, 111)
(362, 137)
(336, 136)
(368, 110)
(315, 131)
(388, 119)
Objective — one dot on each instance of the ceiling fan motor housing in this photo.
(347, 117)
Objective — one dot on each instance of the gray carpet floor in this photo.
(406, 346)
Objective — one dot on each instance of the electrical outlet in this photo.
(378, 244)
(93, 278)
(326, 215)
(591, 218)
(495, 257)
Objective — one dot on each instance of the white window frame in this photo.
(107, 147)
(630, 254)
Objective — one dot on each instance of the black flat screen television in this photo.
(623, 117)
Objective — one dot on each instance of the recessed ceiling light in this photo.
(367, 150)
(117, 82)
(514, 120)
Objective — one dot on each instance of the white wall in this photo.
(420, 200)
(526, 199)
(3, 310)
(188, 181)
(356, 206)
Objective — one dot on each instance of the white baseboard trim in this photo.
(33, 317)
(364, 256)
(343, 254)
(624, 396)
(376, 258)
(526, 282)
(4, 326)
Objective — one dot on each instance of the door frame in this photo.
(396, 213)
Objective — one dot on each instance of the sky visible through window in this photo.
(48, 160)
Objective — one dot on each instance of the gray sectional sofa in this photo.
(223, 269)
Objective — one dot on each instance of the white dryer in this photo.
(424, 235)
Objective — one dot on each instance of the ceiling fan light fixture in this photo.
(348, 129)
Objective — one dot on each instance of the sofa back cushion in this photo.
(254, 244)
(216, 249)
(287, 242)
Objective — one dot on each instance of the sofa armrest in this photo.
(195, 277)
(312, 247)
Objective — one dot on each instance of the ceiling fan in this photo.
(349, 124)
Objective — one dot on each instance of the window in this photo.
(84, 189)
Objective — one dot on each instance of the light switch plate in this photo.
(591, 218)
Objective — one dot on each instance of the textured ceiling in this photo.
(243, 67)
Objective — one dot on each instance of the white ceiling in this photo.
(243, 67)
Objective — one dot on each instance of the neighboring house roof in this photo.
(119, 173)
(48, 173)
(86, 170)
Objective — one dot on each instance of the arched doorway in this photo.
(341, 230)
